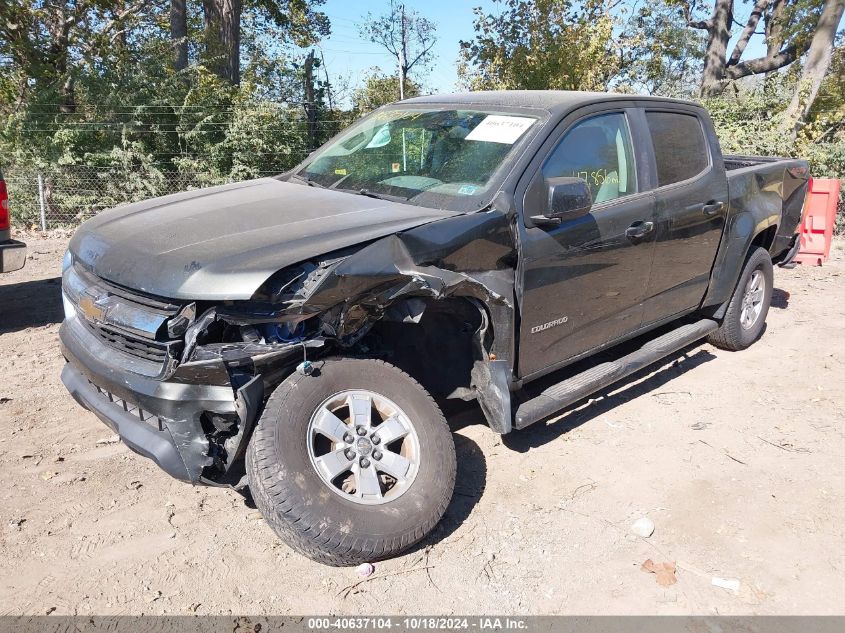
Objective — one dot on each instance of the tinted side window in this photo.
(679, 146)
(599, 151)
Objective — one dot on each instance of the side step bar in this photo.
(578, 387)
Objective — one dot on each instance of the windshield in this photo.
(438, 157)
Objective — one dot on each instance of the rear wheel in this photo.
(745, 317)
(351, 464)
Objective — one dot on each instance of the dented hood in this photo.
(224, 242)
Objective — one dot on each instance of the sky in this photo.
(350, 56)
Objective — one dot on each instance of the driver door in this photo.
(584, 280)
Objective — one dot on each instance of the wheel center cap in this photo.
(364, 446)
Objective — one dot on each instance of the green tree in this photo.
(826, 118)
(296, 21)
(660, 55)
(48, 42)
(557, 44)
(379, 89)
(815, 66)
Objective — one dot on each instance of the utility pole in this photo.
(310, 101)
(328, 83)
(403, 51)
(42, 203)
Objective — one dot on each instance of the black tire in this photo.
(732, 335)
(296, 501)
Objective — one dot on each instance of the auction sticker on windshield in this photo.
(497, 128)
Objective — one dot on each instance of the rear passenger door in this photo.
(691, 205)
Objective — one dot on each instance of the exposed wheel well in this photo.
(765, 238)
(430, 339)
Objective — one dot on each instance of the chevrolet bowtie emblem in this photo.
(92, 307)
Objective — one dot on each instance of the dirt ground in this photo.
(736, 457)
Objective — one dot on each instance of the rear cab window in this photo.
(680, 147)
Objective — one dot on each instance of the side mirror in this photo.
(569, 198)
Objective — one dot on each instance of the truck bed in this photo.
(740, 161)
(772, 189)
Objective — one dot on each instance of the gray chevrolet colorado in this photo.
(288, 334)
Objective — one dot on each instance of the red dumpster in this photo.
(817, 224)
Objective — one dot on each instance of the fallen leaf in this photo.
(664, 572)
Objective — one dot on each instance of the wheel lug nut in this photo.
(350, 454)
(377, 455)
(349, 438)
(361, 431)
(365, 463)
(375, 439)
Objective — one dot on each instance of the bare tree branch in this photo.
(773, 23)
(422, 55)
(695, 24)
(816, 64)
(405, 34)
(131, 9)
(764, 64)
(748, 31)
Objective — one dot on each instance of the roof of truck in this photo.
(551, 100)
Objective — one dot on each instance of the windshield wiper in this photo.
(308, 181)
(371, 194)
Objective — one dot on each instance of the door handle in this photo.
(712, 208)
(639, 229)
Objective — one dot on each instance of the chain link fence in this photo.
(64, 197)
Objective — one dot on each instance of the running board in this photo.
(578, 387)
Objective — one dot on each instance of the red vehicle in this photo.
(12, 252)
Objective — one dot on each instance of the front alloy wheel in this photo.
(364, 447)
(352, 463)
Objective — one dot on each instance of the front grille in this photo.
(124, 320)
(141, 348)
(131, 408)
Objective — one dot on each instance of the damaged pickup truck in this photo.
(289, 333)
